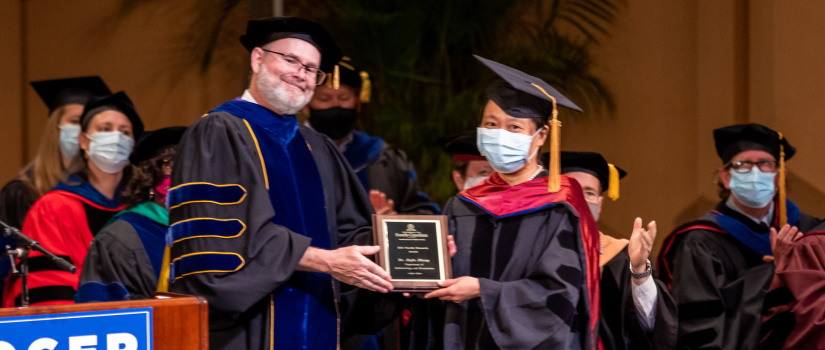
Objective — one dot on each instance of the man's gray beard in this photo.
(276, 94)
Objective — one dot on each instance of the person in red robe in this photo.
(66, 219)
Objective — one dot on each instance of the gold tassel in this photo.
(163, 279)
(613, 182)
(554, 168)
(783, 207)
(366, 88)
(554, 183)
(336, 77)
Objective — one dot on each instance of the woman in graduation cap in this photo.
(65, 219)
(124, 261)
(526, 267)
(58, 144)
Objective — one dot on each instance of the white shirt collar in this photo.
(248, 97)
(765, 219)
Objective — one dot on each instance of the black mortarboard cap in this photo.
(344, 72)
(153, 142)
(525, 96)
(60, 92)
(260, 32)
(592, 163)
(350, 75)
(734, 139)
(118, 102)
(518, 96)
(462, 146)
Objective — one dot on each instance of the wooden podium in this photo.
(178, 321)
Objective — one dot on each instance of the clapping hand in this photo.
(782, 241)
(641, 242)
(381, 204)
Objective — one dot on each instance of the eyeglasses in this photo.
(294, 63)
(744, 166)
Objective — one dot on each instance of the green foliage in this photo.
(426, 83)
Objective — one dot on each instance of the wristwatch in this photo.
(647, 272)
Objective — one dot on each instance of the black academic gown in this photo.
(718, 282)
(387, 169)
(532, 269)
(221, 149)
(16, 198)
(619, 326)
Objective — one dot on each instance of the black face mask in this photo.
(335, 122)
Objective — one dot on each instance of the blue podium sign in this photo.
(126, 329)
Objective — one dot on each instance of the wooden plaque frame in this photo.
(443, 264)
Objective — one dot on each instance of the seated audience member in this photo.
(65, 219)
(125, 257)
(716, 265)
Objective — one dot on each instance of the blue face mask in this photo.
(753, 189)
(506, 151)
(68, 140)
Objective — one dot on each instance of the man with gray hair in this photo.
(265, 213)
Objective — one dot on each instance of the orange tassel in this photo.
(336, 77)
(366, 88)
(554, 168)
(613, 182)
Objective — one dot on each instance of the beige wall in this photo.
(678, 70)
(11, 74)
(149, 53)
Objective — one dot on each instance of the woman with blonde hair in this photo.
(65, 219)
(58, 144)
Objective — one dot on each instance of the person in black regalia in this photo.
(266, 214)
(469, 167)
(384, 170)
(637, 311)
(526, 268)
(715, 266)
(125, 257)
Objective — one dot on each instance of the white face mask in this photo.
(595, 210)
(110, 150)
(68, 140)
(472, 181)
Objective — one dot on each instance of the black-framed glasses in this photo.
(744, 166)
(295, 63)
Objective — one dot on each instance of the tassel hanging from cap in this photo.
(336, 77)
(783, 207)
(366, 88)
(613, 182)
(554, 168)
(163, 279)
